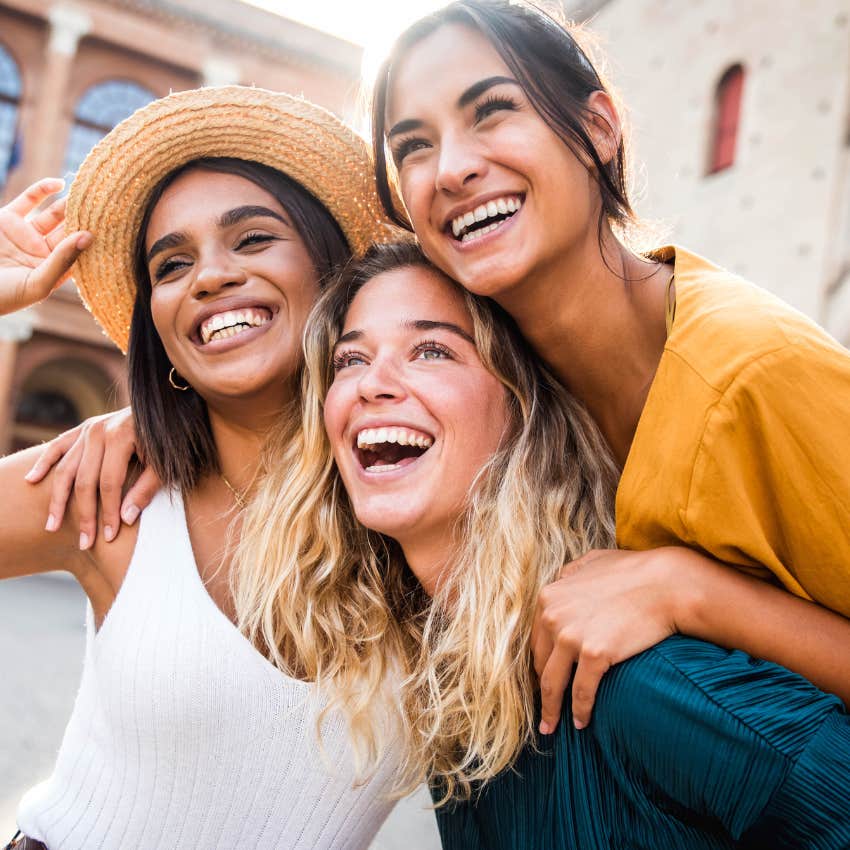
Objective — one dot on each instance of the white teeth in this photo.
(230, 322)
(477, 234)
(384, 467)
(498, 206)
(401, 436)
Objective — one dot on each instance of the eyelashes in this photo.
(171, 265)
(493, 103)
(346, 358)
(483, 109)
(407, 146)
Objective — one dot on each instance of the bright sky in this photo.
(371, 23)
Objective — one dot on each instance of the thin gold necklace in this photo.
(238, 497)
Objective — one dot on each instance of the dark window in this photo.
(98, 111)
(727, 113)
(10, 94)
(48, 409)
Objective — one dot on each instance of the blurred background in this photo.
(740, 120)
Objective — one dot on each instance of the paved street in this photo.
(42, 637)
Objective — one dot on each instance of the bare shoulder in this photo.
(26, 547)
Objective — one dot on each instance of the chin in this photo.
(387, 520)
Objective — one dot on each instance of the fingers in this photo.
(49, 219)
(591, 668)
(86, 486)
(113, 473)
(140, 495)
(63, 483)
(51, 455)
(53, 270)
(33, 195)
(553, 683)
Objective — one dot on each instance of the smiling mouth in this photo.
(485, 218)
(230, 323)
(388, 449)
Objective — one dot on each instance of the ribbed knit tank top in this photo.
(184, 736)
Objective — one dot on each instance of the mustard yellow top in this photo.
(743, 448)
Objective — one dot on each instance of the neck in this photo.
(239, 427)
(429, 557)
(599, 324)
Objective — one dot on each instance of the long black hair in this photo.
(551, 67)
(173, 428)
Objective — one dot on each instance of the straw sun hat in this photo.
(112, 187)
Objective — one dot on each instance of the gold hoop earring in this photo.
(176, 386)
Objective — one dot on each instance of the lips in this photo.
(483, 218)
(232, 322)
(223, 318)
(388, 448)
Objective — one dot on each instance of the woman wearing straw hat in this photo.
(208, 223)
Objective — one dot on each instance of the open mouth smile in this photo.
(484, 219)
(390, 448)
(230, 323)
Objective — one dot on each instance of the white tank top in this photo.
(184, 736)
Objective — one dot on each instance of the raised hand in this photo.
(93, 460)
(607, 606)
(35, 254)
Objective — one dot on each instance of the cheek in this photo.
(415, 186)
(163, 313)
(335, 415)
(481, 417)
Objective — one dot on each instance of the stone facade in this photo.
(55, 365)
(780, 215)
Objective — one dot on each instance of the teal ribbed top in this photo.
(690, 746)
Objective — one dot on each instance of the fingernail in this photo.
(108, 533)
(130, 514)
(51, 525)
(579, 724)
(84, 541)
(31, 475)
(84, 240)
(545, 728)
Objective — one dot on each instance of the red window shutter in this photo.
(727, 106)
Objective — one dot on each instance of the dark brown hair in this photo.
(173, 427)
(551, 67)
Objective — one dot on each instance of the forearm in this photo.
(719, 604)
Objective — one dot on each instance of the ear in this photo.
(603, 125)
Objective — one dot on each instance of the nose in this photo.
(381, 381)
(460, 162)
(215, 270)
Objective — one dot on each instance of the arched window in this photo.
(56, 396)
(102, 107)
(727, 113)
(10, 94)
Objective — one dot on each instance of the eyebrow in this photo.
(228, 219)
(416, 325)
(477, 89)
(472, 93)
(234, 216)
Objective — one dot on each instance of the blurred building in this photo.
(741, 119)
(69, 71)
(740, 116)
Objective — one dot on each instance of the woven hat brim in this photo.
(113, 186)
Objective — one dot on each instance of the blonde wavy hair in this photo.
(333, 602)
